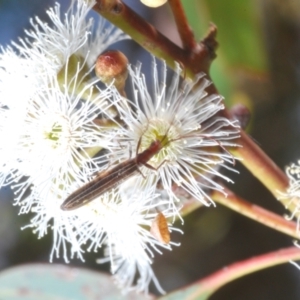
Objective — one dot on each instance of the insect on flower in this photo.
(108, 179)
(183, 115)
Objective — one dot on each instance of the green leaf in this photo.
(59, 282)
(239, 29)
(241, 42)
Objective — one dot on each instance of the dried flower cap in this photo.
(159, 229)
(154, 3)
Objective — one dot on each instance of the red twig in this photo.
(207, 286)
(153, 41)
(256, 213)
(185, 32)
(260, 165)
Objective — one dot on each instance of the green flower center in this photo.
(167, 134)
(54, 134)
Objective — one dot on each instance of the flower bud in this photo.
(111, 67)
(154, 3)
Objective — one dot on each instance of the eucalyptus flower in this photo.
(68, 34)
(292, 194)
(188, 125)
(49, 100)
(121, 221)
(59, 138)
